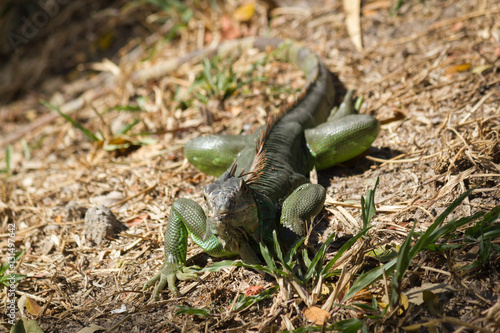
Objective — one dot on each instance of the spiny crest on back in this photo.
(259, 161)
(310, 65)
(231, 173)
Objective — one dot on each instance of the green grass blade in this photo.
(88, 134)
(407, 253)
(485, 228)
(286, 265)
(184, 309)
(267, 256)
(7, 279)
(424, 240)
(8, 158)
(450, 227)
(292, 253)
(402, 263)
(217, 266)
(348, 326)
(246, 301)
(368, 207)
(367, 211)
(365, 279)
(128, 108)
(207, 74)
(344, 248)
(125, 129)
(3, 268)
(26, 149)
(489, 235)
(358, 103)
(277, 247)
(313, 267)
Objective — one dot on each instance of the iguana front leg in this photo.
(299, 208)
(186, 218)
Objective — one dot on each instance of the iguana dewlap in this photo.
(263, 184)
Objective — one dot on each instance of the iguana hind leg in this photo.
(214, 154)
(299, 208)
(186, 218)
(344, 136)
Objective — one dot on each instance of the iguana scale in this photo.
(263, 184)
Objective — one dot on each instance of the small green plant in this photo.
(426, 241)
(243, 303)
(184, 309)
(483, 233)
(8, 157)
(218, 80)
(118, 141)
(174, 7)
(397, 6)
(7, 279)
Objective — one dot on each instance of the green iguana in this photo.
(263, 184)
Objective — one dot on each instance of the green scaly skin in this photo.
(274, 192)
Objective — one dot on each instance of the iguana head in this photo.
(231, 211)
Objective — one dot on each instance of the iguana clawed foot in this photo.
(169, 273)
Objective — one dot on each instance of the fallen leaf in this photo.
(137, 220)
(33, 307)
(416, 295)
(480, 69)
(24, 325)
(253, 290)
(404, 301)
(457, 27)
(363, 295)
(431, 300)
(106, 40)
(316, 315)
(458, 68)
(209, 37)
(244, 13)
(327, 288)
(229, 30)
(122, 309)
(383, 253)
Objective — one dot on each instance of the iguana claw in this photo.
(169, 273)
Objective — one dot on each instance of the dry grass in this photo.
(419, 74)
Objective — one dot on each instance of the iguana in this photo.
(263, 184)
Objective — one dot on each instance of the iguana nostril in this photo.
(224, 209)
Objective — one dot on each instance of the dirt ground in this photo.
(428, 70)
